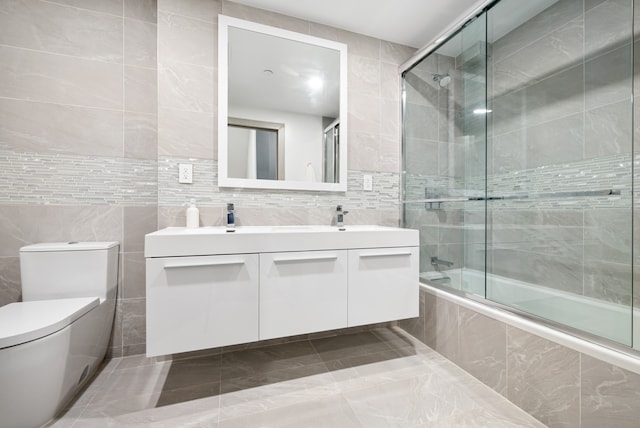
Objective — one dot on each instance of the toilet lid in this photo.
(25, 321)
(68, 246)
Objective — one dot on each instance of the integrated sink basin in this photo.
(180, 241)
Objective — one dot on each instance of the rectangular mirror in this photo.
(282, 112)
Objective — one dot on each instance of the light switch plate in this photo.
(185, 173)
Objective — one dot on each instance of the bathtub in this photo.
(601, 318)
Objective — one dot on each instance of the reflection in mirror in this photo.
(282, 99)
(257, 151)
(331, 145)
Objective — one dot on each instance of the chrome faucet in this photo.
(435, 261)
(231, 218)
(340, 213)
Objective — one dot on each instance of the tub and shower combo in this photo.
(519, 165)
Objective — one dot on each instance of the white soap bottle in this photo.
(193, 215)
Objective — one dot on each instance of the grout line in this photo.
(557, 118)
(191, 64)
(580, 389)
(579, 17)
(124, 92)
(83, 9)
(65, 104)
(82, 58)
(168, 12)
(219, 397)
(99, 12)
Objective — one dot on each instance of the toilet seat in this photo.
(23, 322)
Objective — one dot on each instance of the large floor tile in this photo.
(377, 378)
(323, 413)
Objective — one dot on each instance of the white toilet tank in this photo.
(69, 269)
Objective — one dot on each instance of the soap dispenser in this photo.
(193, 215)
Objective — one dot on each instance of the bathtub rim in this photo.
(594, 346)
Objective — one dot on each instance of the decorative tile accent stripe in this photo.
(606, 172)
(67, 179)
(206, 191)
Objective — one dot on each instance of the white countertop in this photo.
(180, 241)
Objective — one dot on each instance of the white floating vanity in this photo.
(208, 288)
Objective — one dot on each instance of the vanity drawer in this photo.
(201, 302)
(383, 285)
(302, 292)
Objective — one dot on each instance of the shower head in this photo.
(442, 79)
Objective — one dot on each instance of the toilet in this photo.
(52, 341)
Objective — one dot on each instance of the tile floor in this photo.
(378, 378)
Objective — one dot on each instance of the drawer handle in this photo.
(404, 253)
(204, 264)
(305, 258)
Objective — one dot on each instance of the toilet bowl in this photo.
(53, 341)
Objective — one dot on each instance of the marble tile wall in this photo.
(557, 385)
(78, 131)
(205, 189)
(560, 88)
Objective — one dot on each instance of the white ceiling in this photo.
(409, 22)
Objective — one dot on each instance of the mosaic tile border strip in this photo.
(206, 191)
(610, 172)
(67, 179)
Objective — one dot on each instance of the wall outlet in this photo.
(367, 182)
(185, 173)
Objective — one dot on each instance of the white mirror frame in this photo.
(224, 22)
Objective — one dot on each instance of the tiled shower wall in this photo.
(559, 90)
(562, 122)
(434, 159)
(93, 123)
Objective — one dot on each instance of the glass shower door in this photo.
(519, 160)
(445, 159)
(560, 178)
